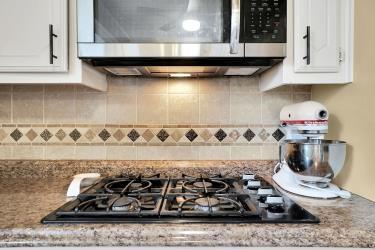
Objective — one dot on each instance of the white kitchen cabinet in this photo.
(321, 55)
(33, 35)
(78, 72)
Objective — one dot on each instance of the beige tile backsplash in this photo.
(222, 102)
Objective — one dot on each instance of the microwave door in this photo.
(159, 28)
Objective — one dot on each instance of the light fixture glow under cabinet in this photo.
(180, 75)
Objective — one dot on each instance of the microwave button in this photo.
(275, 31)
(256, 37)
(274, 37)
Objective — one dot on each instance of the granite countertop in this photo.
(26, 200)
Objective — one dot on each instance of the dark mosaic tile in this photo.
(191, 135)
(278, 135)
(249, 135)
(75, 135)
(220, 135)
(16, 134)
(133, 135)
(162, 135)
(104, 135)
(60, 134)
(46, 135)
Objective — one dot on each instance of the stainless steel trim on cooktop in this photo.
(152, 50)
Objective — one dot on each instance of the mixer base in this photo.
(286, 180)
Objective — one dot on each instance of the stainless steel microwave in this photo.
(186, 37)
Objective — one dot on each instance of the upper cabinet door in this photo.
(33, 35)
(317, 36)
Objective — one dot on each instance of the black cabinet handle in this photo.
(307, 37)
(51, 36)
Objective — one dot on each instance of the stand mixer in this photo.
(307, 162)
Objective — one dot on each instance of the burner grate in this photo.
(211, 199)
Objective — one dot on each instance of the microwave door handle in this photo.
(235, 26)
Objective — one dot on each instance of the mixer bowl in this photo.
(314, 160)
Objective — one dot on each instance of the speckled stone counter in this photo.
(27, 198)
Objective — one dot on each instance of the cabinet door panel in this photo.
(24, 28)
(322, 17)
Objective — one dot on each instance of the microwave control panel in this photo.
(264, 21)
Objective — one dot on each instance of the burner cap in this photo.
(122, 204)
(136, 185)
(203, 202)
(200, 184)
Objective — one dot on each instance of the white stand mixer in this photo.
(305, 125)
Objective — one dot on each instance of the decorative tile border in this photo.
(139, 135)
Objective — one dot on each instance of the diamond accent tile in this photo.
(60, 134)
(148, 135)
(191, 135)
(234, 135)
(104, 135)
(119, 135)
(75, 135)
(31, 134)
(90, 135)
(264, 134)
(206, 135)
(278, 135)
(46, 135)
(133, 135)
(177, 135)
(162, 135)
(16, 135)
(3, 135)
(220, 135)
(249, 135)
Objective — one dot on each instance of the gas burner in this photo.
(125, 204)
(127, 186)
(202, 186)
(204, 204)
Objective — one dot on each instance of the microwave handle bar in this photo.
(235, 26)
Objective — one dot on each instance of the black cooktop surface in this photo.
(189, 199)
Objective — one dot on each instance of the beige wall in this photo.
(353, 107)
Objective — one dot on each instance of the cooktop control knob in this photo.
(274, 199)
(248, 177)
(253, 186)
(265, 191)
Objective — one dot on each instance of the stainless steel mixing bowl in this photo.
(314, 160)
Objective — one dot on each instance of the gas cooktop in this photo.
(189, 199)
